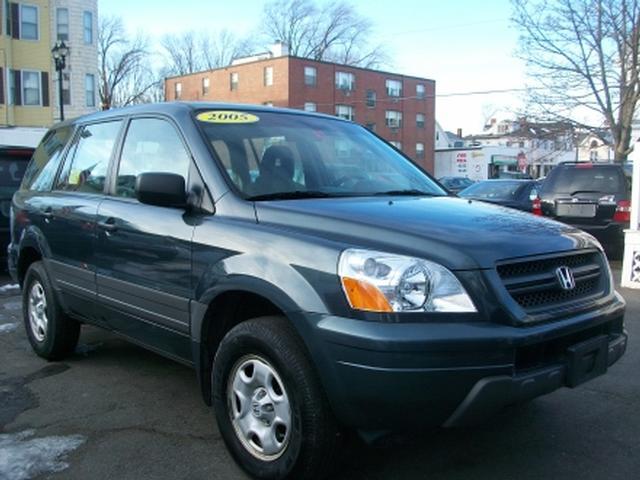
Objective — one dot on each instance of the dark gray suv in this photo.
(313, 276)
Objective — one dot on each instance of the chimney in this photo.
(279, 49)
(459, 132)
(493, 122)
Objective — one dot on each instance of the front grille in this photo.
(534, 286)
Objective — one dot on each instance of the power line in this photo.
(438, 95)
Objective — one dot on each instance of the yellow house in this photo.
(25, 64)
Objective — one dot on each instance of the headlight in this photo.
(384, 282)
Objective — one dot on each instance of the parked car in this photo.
(308, 300)
(518, 194)
(590, 196)
(13, 162)
(455, 184)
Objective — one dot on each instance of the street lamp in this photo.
(60, 52)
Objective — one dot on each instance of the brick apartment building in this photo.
(399, 108)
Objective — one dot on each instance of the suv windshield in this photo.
(493, 190)
(270, 155)
(585, 178)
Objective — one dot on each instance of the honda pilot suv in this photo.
(315, 278)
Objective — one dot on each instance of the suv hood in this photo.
(457, 233)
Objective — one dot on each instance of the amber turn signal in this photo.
(364, 296)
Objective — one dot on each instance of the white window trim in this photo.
(268, 79)
(388, 88)
(58, 91)
(315, 106)
(95, 100)
(22, 87)
(30, 5)
(58, 24)
(349, 85)
(93, 30)
(315, 76)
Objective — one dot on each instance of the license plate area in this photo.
(583, 210)
(587, 360)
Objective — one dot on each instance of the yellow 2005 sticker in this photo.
(227, 116)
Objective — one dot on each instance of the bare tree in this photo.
(125, 77)
(582, 56)
(334, 31)
(191, 51)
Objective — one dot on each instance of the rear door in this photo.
(144, 251)
(69, 214)
(584, 194)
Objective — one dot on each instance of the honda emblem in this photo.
(565, 278)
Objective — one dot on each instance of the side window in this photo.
(86, 165)
(151, 145)
(43, 167)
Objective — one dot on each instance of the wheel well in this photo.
(28, 255)
(225, 312)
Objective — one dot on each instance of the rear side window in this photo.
(13, 164)
(46, 159)
(151, 145)
(581, 179)
(86, 166)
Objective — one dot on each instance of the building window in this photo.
(309, 107)
(371, 98)
(419, 150)
(310, 76)
(420, 91)
(344, 111)
(398, 145)
(177, 91)
(234, 80)
(393, 119)
(268, 76)
(394, 88)
(420, 120)
(345, 81)
(371, 126)
(205, 85)
(66, 88)
(12, 87)
(87, 20)
(31, 88)
(62, 24)
(90, 90)
(28, 22)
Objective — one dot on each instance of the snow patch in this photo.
(13, 306)
(8, 327)
(22, 457)
(10, 287)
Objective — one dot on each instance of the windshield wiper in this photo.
(291, 195)
(585, 191)
(409, 192)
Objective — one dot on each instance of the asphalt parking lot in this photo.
(116, 411)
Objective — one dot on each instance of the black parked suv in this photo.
(314, 278)
(13, 163)
(593, 197)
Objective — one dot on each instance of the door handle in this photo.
(109, 225)
(47, 214)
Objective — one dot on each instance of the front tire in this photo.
(271, 410)
(51, 333)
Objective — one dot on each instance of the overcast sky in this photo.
(464, 45)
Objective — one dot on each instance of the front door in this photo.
(144, 251)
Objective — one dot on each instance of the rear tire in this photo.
(52, 334)
(249, 408)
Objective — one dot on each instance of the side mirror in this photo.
(161, 189)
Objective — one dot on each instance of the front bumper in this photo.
(406, 376)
